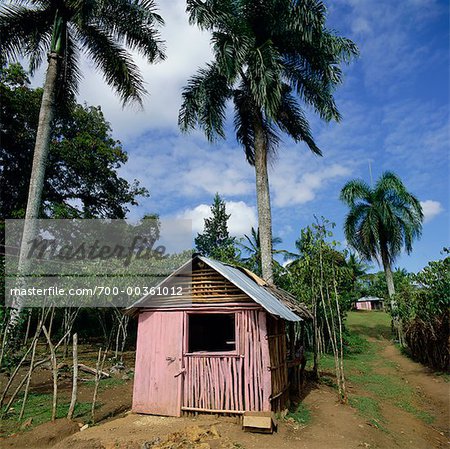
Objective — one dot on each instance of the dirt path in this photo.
(434, 391)
(420, 420)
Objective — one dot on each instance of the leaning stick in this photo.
(25, 395)
(75, 377)
(55, 373)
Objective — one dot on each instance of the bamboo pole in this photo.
(54, 371)
(99, 369)
(27, 386)
(73, 400)
(97, 378)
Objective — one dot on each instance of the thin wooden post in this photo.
(99, 369)
(73, 400)
(25, 395)
(55, 372)
(28, 327)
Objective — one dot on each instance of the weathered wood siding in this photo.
(203, 286)
(278, 363)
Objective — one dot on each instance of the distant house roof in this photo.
(369, 299)
(273, 299)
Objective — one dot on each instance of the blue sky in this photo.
(395, 107)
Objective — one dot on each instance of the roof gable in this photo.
(273, 300)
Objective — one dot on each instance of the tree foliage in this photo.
(425, 307)
(82, 178)
(251, 257)
(382, 220)
(268, 56)
(215, 241)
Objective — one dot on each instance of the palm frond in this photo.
(133, 23)
(70, 74)
(210, 14)
(116, 64)
(204, 101)
(24, 32)
(355, 190)
(311, 88)
(292, 121)
(243, 121)
(263, 76)
(230, 52)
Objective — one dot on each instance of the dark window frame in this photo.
(192, 351)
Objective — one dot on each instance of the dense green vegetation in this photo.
(82, 179)
(381, 222)
(366, 368)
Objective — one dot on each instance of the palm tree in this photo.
(268, 56)
(381, 222)
(252, 247)
(59, 30)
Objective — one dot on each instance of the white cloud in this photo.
(361, 26)
(242, 219)
(430, 209)
(213, 178)
(291, 187)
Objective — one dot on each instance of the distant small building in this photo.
(370, 303)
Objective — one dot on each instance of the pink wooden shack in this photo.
(370, 303)
(221, 348)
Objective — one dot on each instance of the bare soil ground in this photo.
(394, 403)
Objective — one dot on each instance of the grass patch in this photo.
(369, 409)
(354, 343)
(39, 407)
(104, 384)
(384, 387)
(300, 414)
(370, 324)
(444, 376)
(421, 414)
(360, 367)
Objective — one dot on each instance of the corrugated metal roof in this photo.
(258, 293)
(369, 298)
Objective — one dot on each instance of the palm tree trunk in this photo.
(46, 115)
(263, 201)
(387, 272)
(396, 321)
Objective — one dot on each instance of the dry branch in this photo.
(94, 371)
(73, 400)
(54, 371)
(25, 395)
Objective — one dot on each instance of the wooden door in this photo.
(157, 382)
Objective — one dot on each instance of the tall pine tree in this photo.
(216, 242)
